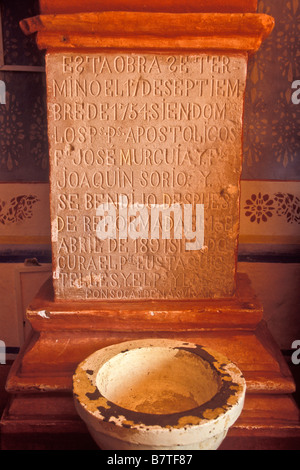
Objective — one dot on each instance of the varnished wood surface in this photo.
(242, 311)
(179, 6)
(238, 33)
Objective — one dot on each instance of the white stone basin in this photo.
(158, 394)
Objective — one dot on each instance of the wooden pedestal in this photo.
(41, 414)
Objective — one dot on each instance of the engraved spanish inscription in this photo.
(145, 169)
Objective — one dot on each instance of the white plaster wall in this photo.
(18, 286)
(277, 285)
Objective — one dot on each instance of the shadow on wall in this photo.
(277, 287)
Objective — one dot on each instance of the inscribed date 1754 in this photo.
(146, 159)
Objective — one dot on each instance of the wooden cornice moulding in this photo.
(174, 6)
(141, 31)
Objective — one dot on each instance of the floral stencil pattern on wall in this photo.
(17, 209)
(261, 207)
(12, 133)
(23, 129)
(23, 122)
(24, 216)
(272, 121)
(19, 49)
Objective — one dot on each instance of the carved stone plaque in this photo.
(145, 170)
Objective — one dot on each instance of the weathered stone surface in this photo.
(151, 130)
(158, 394)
